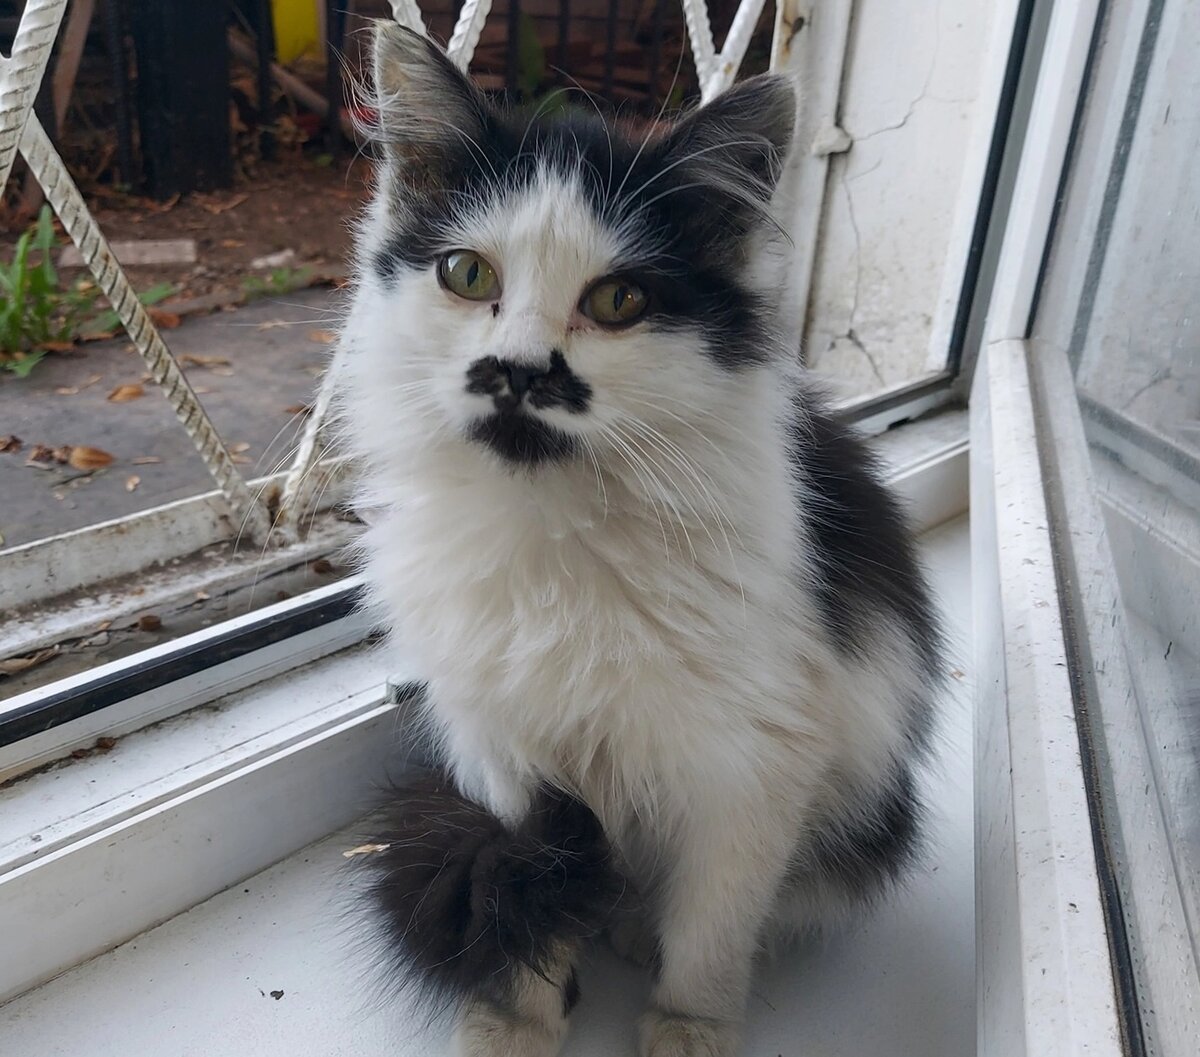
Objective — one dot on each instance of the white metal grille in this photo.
(816, 28)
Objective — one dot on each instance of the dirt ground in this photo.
(255, 368)
(302, 204)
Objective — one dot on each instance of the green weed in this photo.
(36, 313)
(277, 281)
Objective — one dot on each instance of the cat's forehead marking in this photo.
(544, 234)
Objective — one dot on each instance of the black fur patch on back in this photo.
(865, 852)
(465, 903)
(863, 548)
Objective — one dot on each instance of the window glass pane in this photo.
(1119, 304)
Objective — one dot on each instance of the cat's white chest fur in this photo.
(570, 632)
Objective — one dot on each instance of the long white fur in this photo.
(636, 623)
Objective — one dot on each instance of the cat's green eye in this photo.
(470, 276)
(614, 302)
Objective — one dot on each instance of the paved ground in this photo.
(274, 350)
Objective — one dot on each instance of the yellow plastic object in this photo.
(297, 28)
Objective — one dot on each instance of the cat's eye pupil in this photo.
(468, 275)
(613, 302)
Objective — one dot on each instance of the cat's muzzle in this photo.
(545, 384)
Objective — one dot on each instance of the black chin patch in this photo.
(519, 438)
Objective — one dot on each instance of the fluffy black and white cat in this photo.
(673, 628)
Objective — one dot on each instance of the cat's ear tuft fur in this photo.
(736, 145)
(427, 109)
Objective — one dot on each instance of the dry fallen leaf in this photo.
(224, 207)
(325, 337)
(125, 393)
(43, 457)
(10, 443)
(71, 390)
(132, 481)
(162, 207)
(365, 849)
(145, 460)
(16, 665)
(83, 457)
(202, 596)
(201, 390)
(163, 319)
(239, 447)
(232, 244)
(273, 324)
(191, 359)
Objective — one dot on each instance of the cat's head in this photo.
(548, 286)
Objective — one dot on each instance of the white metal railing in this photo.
(821, 48)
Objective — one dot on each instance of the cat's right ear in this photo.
(428, 111)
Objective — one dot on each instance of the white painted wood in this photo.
(202, 983)
(1059, 83)
(810, 45)
(913, 125)
(1045, 978)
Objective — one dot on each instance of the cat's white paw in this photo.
(668, 1035)
(486, 1031)
(634, 940)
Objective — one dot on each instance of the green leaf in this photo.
(26, 363)
(157, 292)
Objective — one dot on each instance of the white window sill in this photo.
(902, 983)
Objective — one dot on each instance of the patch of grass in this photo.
(277, 281)
(37, 314)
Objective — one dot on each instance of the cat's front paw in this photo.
(487, 1031)
(670, 1035)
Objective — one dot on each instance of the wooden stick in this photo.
(291, 85)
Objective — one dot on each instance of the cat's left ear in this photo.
(737, 143)
(428, 111)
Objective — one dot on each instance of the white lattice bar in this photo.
(66, 201)
(21, 74)
(729, 62)
(467, 30)
(695, 17)
(407, 13)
